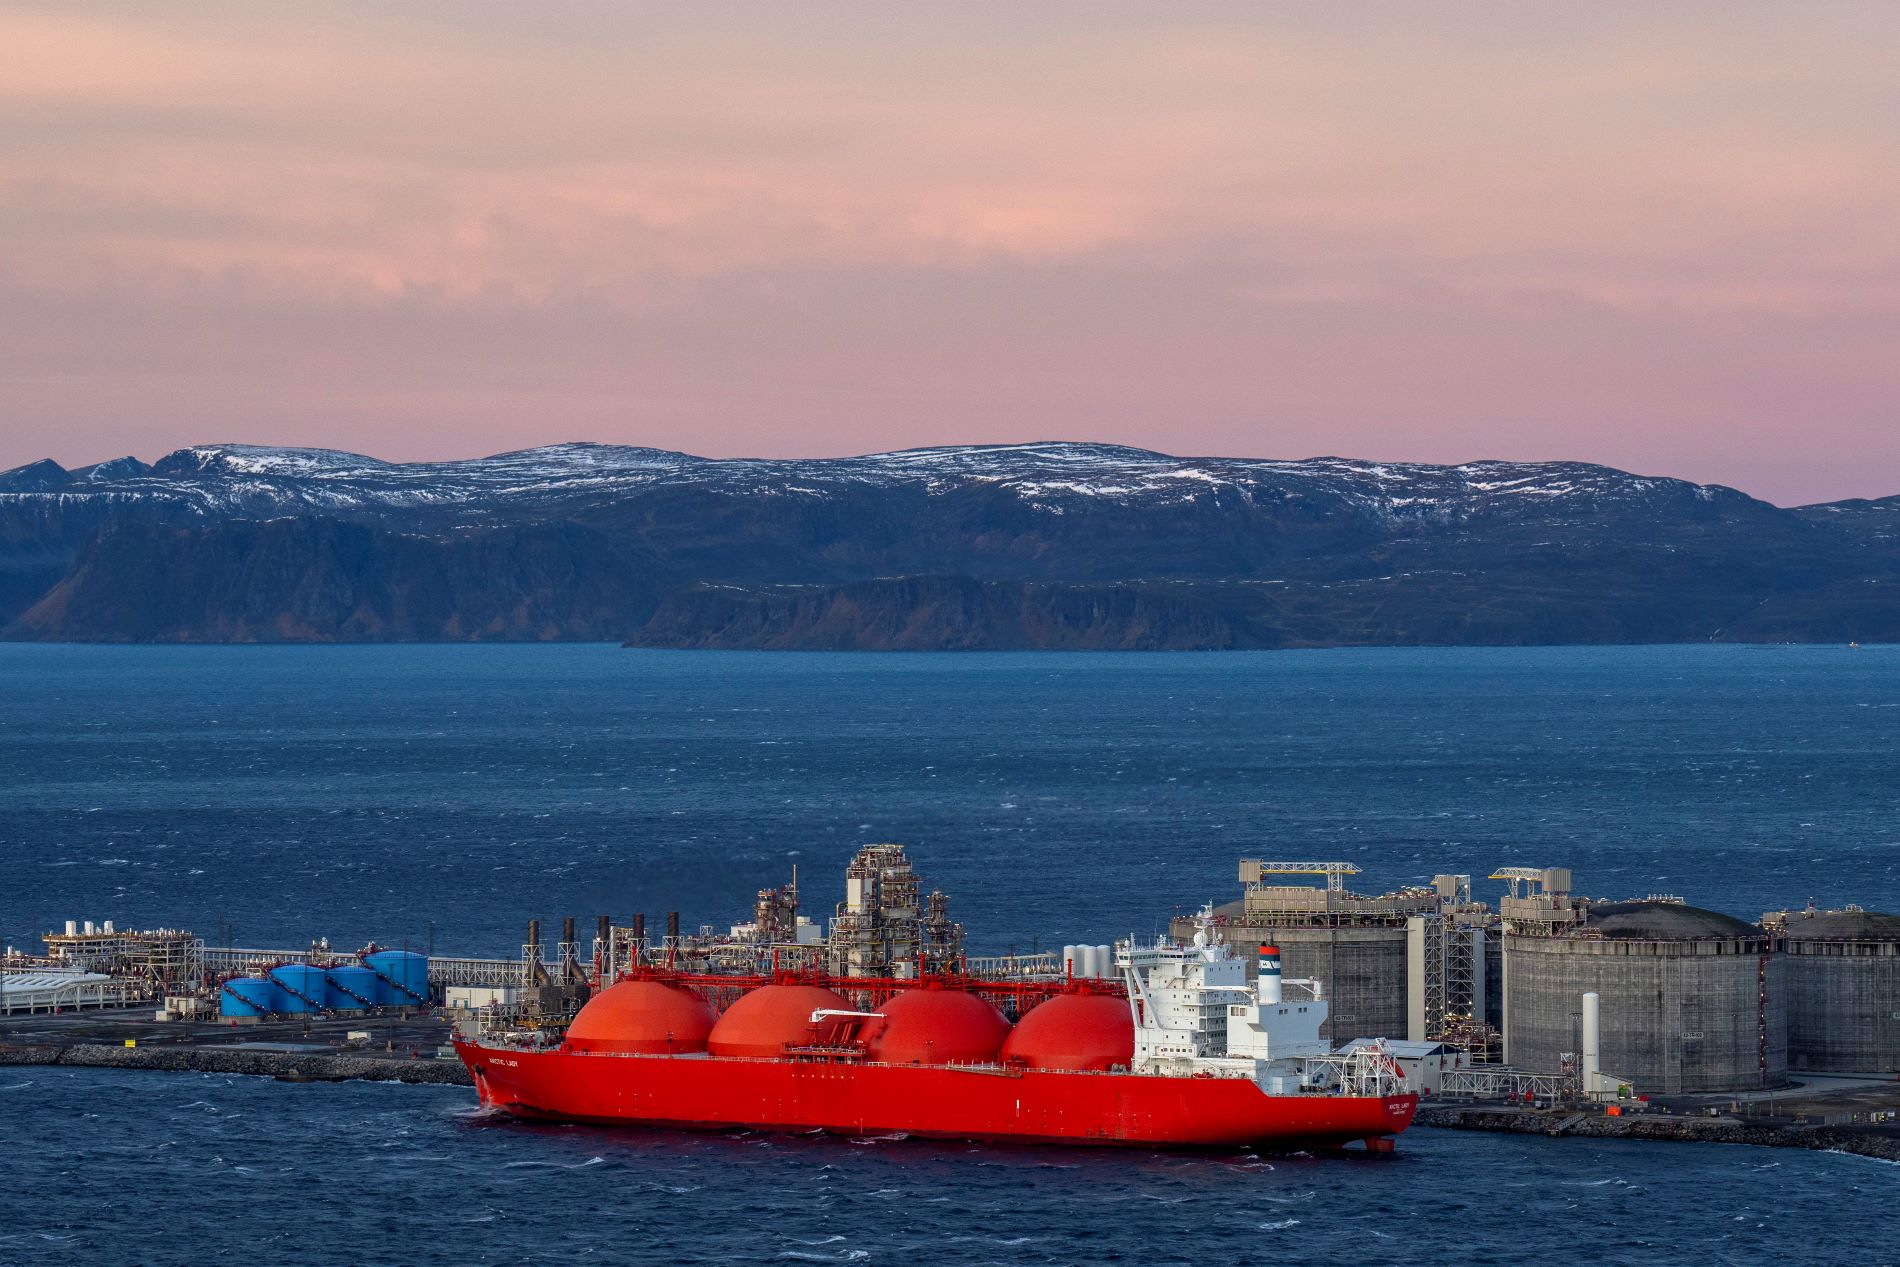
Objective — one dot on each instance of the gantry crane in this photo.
(1335, 872)
(1541, 879)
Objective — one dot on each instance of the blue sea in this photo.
(439, 796)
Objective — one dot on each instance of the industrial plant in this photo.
(1546, 994)
(1687, 1000)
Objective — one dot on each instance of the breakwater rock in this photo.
(1863, 1142)
(315, 1066)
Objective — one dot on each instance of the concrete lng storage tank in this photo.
(1691, 1000)
(1357, 946)
(1843, 989)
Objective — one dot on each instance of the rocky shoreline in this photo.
(312, 1066)
(1861, 1142)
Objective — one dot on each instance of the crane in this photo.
(1541, 879)
(1335, 872)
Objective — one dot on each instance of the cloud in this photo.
(1008, 204)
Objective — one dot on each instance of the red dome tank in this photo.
(937, 1027)
(765, 1021)
(1074, 1031)
(642, 1016)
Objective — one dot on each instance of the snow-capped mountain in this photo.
(1049, 544)
(258, 480)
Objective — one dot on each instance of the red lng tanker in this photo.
(1185, 1052)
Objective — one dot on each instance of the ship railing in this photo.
(852, 1054)
(832, 1052)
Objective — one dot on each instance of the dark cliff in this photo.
(1034, 546)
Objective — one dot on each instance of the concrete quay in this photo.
(1880, 1141)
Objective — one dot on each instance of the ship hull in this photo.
(988, 1103)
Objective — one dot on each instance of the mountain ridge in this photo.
(1053, 543)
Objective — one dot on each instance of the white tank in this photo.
(1104, 962)
(72, 928)
(89, 928)
(1071, 960)
(109, 926)
(1592, 1042)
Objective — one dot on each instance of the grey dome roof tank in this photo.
(1844, 926)
(1665, 921)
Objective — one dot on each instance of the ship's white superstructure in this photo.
(1196, 1014)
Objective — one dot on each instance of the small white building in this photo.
(1423, 1063)
(475, 997)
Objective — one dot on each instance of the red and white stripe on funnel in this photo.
(1269, 973)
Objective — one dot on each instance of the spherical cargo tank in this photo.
(247, 996)
(1843, 990)
(1690, 1000)
(300, 988)
(936, 1027)
(349, 988)
(765, 1021)
(403, 977)
(1073, 1031)
(642, 1017)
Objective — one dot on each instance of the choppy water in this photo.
(375, 1172)
(408, 792)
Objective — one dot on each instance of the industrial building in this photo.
(1417, 963)
(1687, 1000)
(886, 927)
(1424, 1064)
(62, 990)
(162, 959)
(881, 929)
(1843, 972)
(1691, 1000)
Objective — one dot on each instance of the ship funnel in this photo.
(1269, 974)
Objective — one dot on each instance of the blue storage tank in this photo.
(247, 996)
(300, 987)
(403, 976)
(350, 988)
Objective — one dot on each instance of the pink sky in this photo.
(1661, 236)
